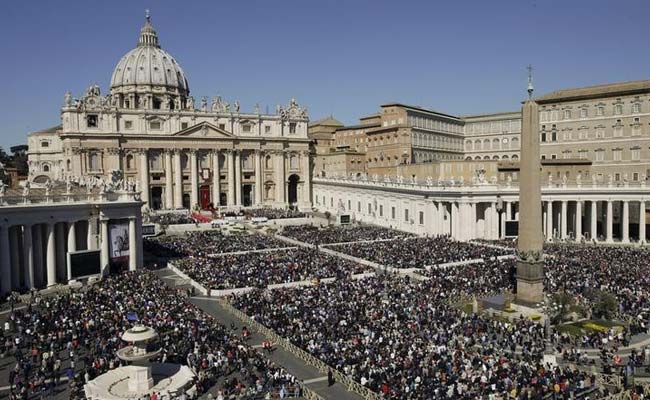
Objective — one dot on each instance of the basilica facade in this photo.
(182, 153)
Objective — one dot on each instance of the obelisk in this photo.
(530, 261)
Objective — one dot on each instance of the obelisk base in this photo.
(530, 282)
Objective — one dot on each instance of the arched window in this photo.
(46, 168)
(129, 161)
(204, 161)
(268, 162)
(68, 165)
(515, 157)
(468, 145)
(495, 144)
(477, 145)
(293, 161)
(94, 161)
(486, 144)
(515, 143)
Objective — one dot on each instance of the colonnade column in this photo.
(454, 220)
(578, 230)
(564, 219)
(169, 185)
(549, 220)
(593, 231)
(258, 178)
(15, 257)
(133, 245)
(28, 256)
(610, 221)
(38, 255)
(144, 177)
(103, 255)
(5, 261)
(51, 255)
(504, 216)
(472, 221)
(60, 236)
(494, 230)
(642, 221)
(625, 221)
(231, 178)
(216, 178)
(194, 179)
(178, 180)
(238, 188)
(72, 246)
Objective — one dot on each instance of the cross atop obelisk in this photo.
(530, 81)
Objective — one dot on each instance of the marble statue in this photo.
(26, 188)
(67, 99)
(429, 180)
(48, 188)
(177, 103)
(256, 110)
(190, 103)
(204, 104)
(3, 188)
(236, 106)
(579, 179)
(216, 104)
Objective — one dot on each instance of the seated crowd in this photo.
(419, 252)
(202, 244)
(77, 335)
(401, 338)
(339, 234)
(266, 268)
(274, 213)
(171, 219)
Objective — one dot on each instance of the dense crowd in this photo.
(265, 268)
(274, 213)
(339, 234)
(419, 252)
(201, 244)
(171, 219)
(77, 335)
(400, 338)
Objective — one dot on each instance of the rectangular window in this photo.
(369, 208)
(567, 114)
(635, 176)
(636, 108)
(636, 154)
(292, 127)
(349, 205)
(246, 128)
(553, 156)
(617, 154)
(45, 143)
(91, 121)
(358, 206)
(421, 217)
(618, 109)
(600, 111)
(155, 125)
(222, 127)
(392, 212)
(128, 124)
(406, 215)
(583, 113)
(381, 210)
(600, 155)
(267, 128)
(183, 125)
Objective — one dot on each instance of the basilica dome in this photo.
(148, 68)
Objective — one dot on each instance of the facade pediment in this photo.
(204, 129)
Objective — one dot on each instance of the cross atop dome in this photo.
(148, 36)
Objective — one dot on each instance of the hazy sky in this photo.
(336, 57)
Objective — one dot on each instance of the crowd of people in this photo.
(419, 252)
(202, 244)
(401, 338)
(76, 336)
(171, 219)
(260, 269)
(274, 213)
(339, 233)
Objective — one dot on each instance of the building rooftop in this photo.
(605, 90)
(420, 109)
(328, 121)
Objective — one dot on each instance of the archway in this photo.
(156, 198)
(204, 197)
(186, 201)
(247, 191)
(293, 189)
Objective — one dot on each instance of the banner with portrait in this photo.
(118, 245)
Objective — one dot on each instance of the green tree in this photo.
(605, 305)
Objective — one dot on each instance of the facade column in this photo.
(60, 251)
(169, 184)
(306, 170)
(194, 179)
(5, 262)
(642, 221)
(564, 219)
(258, 178)
(28, 256)
(610, 221)
(144, 177)
(139, 259)
(549, 220)
(578, 230)
(495, 221)
(178, 180)
(508, 210)
(238, 178)
(72, 246)
(625, 222)
(454, 220)
(216, 179)
(133, 247)
(90, 239)
(51, 255)
(280, 180)
(594, 220)
(231, 178)
(103, 255)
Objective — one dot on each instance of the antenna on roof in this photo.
(530, 81)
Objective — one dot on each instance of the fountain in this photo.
(141, 377)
